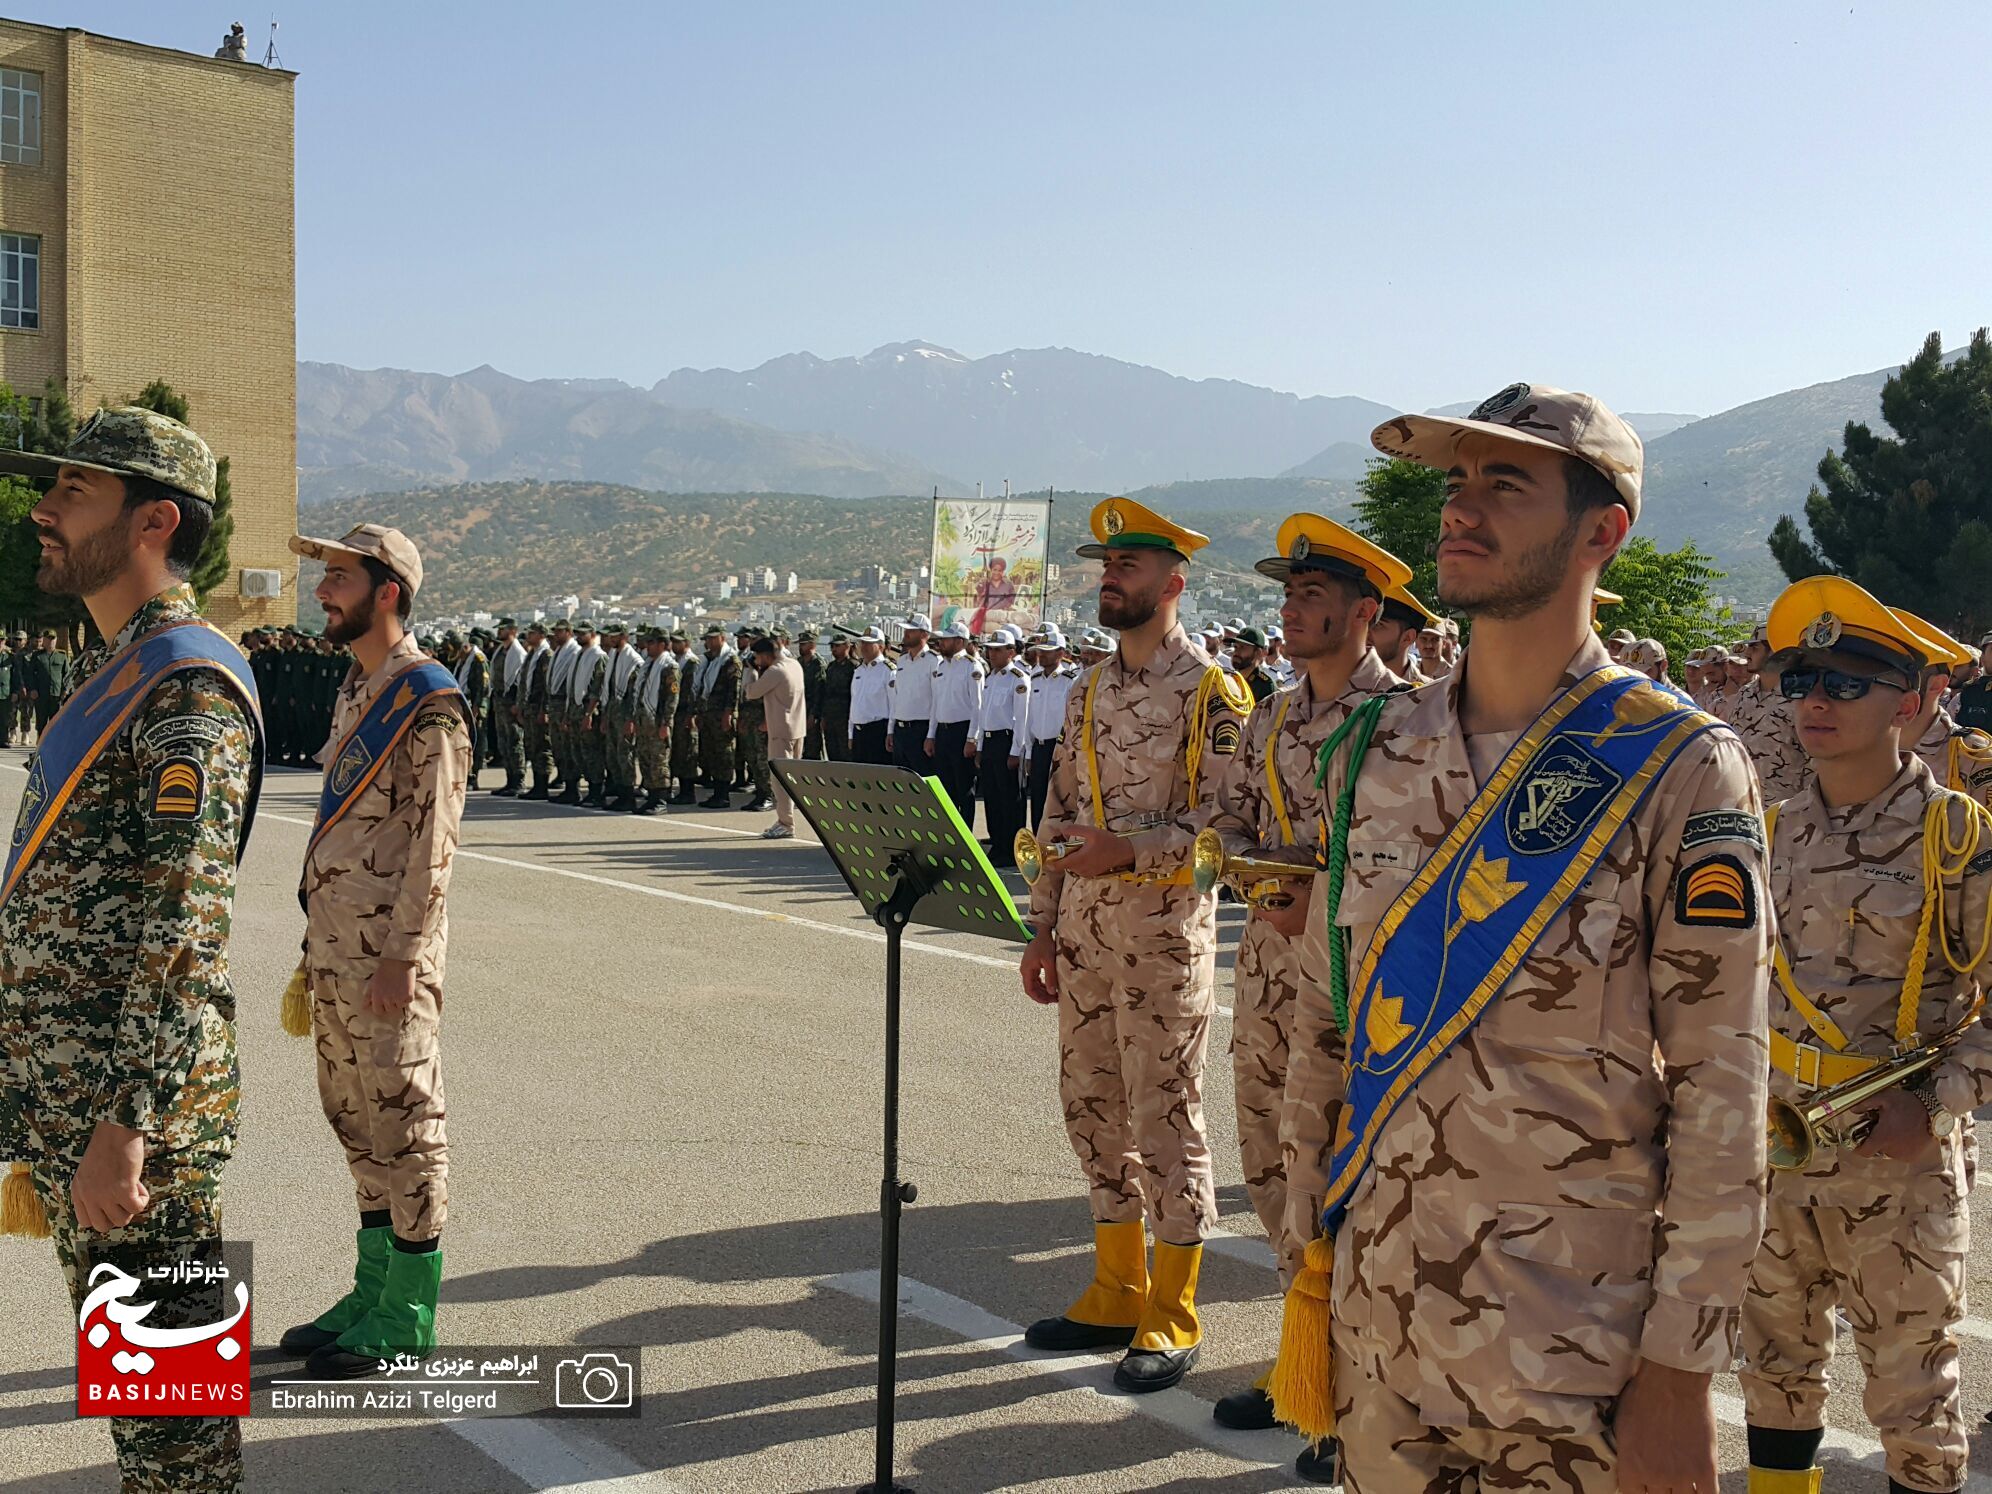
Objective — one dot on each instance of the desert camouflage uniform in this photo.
(538, 735)
(621, 713)
(1882, 1239)
(115, 1005)
(1503, 1265)
(373, 888)
(1268, 970)
(1959, 757)
(1764, 721)
(1137, 964)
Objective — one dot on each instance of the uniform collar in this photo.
(1902, 802)
(1174, 646)
(175, 604)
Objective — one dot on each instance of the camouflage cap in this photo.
(132, 442)
(390, 547)
(679, 635)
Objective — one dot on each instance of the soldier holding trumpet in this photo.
(1879, 876)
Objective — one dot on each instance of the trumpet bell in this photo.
(1206, 861)
(1788, 1136)
(1029, 856)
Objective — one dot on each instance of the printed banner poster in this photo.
(989, 557)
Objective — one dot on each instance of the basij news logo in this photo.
(165, 1338)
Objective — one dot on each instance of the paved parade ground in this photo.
(663, 1063)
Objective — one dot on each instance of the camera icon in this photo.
(594, 1382)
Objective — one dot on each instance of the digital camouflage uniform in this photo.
(115, 1005)
(1137, 964)
(1764, 722)
(656, 715)
(1503, 1264)
(1881, 1239)
(684, 729)
(1267, 975)
(591, 755)
(373, 888)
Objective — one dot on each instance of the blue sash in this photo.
(1478, 904)
(367, 746)
(90, 720)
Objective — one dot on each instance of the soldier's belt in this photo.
(1813, 1066)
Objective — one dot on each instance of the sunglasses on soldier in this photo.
(1796, 684)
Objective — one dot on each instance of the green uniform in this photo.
(685, 730)
(123, 1012)
(717, 708)
(815, 678)
(837, 707)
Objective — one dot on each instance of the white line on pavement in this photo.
(556, 1462)
(1084, 1372)
(1250, 1249)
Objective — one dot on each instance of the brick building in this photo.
(146, 231)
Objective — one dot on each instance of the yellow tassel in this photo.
(21, 1211)
(296, 1015)
(1303, 1379)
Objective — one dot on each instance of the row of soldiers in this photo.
(33, 683)
(1526, 961)
(298, 675)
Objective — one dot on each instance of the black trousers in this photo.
(868, 744)
(1039, 783)
(836, 737)
(956, 771)
(1002, 796)
(909, 746)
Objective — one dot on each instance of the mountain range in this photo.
(911, 417)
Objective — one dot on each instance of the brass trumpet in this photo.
(1257, 881)
(1796, 1132)
(1033, 855)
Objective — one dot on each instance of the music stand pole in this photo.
(894, 1193)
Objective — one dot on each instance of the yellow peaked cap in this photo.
(1403, 596)
(1831, 612)
(1944, 649)
(1308, 542)
(1123, 524)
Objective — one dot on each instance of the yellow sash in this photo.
(1274, 794)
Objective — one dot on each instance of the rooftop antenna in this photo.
(270, 57)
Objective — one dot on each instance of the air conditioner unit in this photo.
(262, 583)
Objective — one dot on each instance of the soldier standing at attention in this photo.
(1127, 949)
(48, 680)
(957, 717)
(836, 710)
(1051, 687)
(508, 671)
(374, 884)
(1248, 657)
(1959, 757)
(656, 713)
(815, 679)
(999, 734)
(1766, 725)
(871, 702)
(717, 694)
(1878, 879)
(7, 693)
(1530, 1246)
(529, 712)
(473, 676)
(559, 715)
(584, 699)
(913, 697)
(118, 1077)
(753, 720)
(620, 676)
(1269, 807)
(776, 687)
(744, 720)
(685, 731)
(1395, 631)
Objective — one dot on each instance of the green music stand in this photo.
(907, 857)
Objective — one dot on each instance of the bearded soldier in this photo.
(656, 713)
(1544, 892)
(1126, 948)
(1268, 807)
(118, 1080)
(1879, 877)
(374, 884)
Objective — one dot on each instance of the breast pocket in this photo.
(1554, 1006)
(1880, 929)
(1574, 1284)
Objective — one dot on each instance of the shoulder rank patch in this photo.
(448, 720)
(176, 790)
(1980, 864)
(1722, 824)
(1717, 892)
(1224, 740)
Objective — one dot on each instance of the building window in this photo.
(20, 280)
(20, 117)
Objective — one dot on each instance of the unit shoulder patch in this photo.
(446, 720)
(1717, 892)
(176, 789)
(1722, 824)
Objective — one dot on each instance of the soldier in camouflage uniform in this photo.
(1267, 807)
(1959, 757)
(752, 755)
(374, 886)
(1879, 945)
(530, 709)
(622, 671)
(566, 653)
(1543, 1263)
(684, 729)
(815, 680)
(117, 1024)
(656, 714)
(1127, 950)
(836, 710)
(718, 684)
(584, 700)
(508, 671)
(1764, 723)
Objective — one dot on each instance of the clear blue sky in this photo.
(1680, 207)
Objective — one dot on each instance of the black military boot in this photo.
(537, 791)
(684, 796)
(652, 802)
(571, 796)
(719, 799)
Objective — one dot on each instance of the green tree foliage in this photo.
(212, 568)
(1666, 597)
(47, 429)
(1397, 507)
(1909, 516)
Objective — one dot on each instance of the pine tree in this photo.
(1908, 516)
